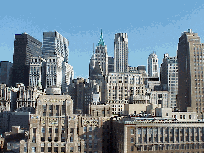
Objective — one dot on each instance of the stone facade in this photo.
(159, 135)
(53, 128)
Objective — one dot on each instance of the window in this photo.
(85, 129)
(90, 129)
(71, 130)
(71, 139)
(50, 130)
(132, 140)
(49, 149)
(132, 148)
(34, 139)
(90, 145)
(159, 95)
(55, 149)
(33, 149)
(71, 149)
(132, 131)
(34, 130)
(90, 137)
(56, 130)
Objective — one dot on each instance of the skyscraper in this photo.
(55, 44)
(25, 47)
(152, 65)
(98, 68)
(121, 52)
(169, 77)
(190, 73)
(99, 59)
(55, 68)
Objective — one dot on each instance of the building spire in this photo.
(101, 42)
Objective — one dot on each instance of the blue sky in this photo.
(150, 25)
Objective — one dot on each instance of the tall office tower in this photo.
(169, 77)
(25, 47)
(98, 67)
(121, 52)
(56, 70)
(5, 72)
(99, 59)
(152, 65)
(190, 72)
(55, 44)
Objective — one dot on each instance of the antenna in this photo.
(93, 48)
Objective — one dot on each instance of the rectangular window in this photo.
(90, 129)
(132, 131)
(132, 148)
(33, 149)
(34, 130)
(85, 129)
(56, 130)
(50, 130)
(132, 140)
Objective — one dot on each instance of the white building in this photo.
(56, 70)
(121, 52)
(35, 74)
(152, 63)
(123, 88)
(55, 44)
(169, 77)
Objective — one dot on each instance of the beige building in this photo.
(180, 116)
(160, 98)
(100, 110)
(53, 128)
(157, 135)
(26, 97)
(95, 131)
(134, 109)
(123, 88)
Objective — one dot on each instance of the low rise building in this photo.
(157, 135)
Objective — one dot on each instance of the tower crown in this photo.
(101, 42)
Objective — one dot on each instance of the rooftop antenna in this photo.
(93, 48)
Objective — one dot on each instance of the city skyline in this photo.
(149, 29)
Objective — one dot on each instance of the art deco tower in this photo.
(98, 69)
(99, 60)
(190, 73)
(120, 52)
